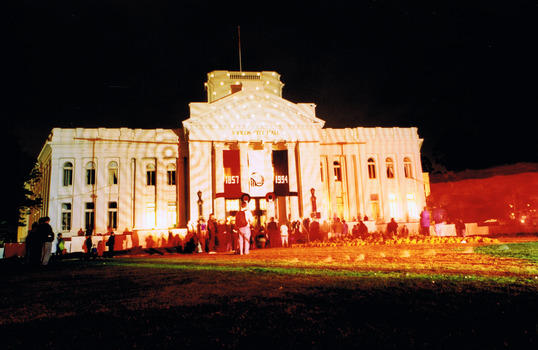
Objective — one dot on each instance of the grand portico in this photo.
(248, 142)
(246, 139)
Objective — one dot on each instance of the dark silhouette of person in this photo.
(33, 245)
(273, 233)
(363, 229)
(46, 236)
(392, 227)
(110, 243)
(88, 245)
(150, 243)
(212, 229)
(315, 233)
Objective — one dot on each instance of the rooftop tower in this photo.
(221, 83)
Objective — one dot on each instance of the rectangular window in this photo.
(412, 206)
(393, 206)
(113, 215)
(112, 176)
(66, 217)
(89, 215)
(90, 176)
(408, 173)
(150, 177)
(68, 177)
(150, 215)
(374, 198)
(337, 171)
(371, 171)
(172, 214)
(171, 177)
(407, 170)
(390, 171)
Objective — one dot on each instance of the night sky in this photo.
(463, 72)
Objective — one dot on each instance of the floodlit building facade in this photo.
(245, 142)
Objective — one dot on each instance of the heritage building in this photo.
(246, 141)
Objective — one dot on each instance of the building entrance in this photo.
(257, 206)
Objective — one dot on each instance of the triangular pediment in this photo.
(251, 113)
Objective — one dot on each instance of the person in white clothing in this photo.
(243, 219)
(284, 235)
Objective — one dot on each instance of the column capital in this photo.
(267, 146)
(291, 145)
(218, 146)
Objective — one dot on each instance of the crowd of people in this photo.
(237, 234)
(40, 239)
(39, 242)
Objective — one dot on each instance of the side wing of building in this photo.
(112, 179)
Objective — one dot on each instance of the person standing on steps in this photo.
(243, 218)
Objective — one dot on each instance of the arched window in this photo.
(150, 174)
(408, 170)
(90, 173)
(390, 168)
(371, 168)
(171, 174)
(337, 171)
(68, 174)
(113, 173)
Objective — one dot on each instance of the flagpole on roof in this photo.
(239, 36)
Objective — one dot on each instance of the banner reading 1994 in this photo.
(232, 173)
(281, 180)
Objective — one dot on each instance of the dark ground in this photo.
(273, 298)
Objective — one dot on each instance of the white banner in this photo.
(259, 179)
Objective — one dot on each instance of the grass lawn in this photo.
(313, 298)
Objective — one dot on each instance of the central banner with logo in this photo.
(281, 179)
(232, 173)
(259, 177)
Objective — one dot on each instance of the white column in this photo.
(54, 210)
(292, 170)
(199, 177)
(268, 148)
(161, 204)
(245, 176)
(218, 173)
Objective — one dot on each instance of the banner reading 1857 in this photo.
(281, 180)
(232, 173)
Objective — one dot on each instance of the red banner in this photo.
(232, 173)
(280, 166)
